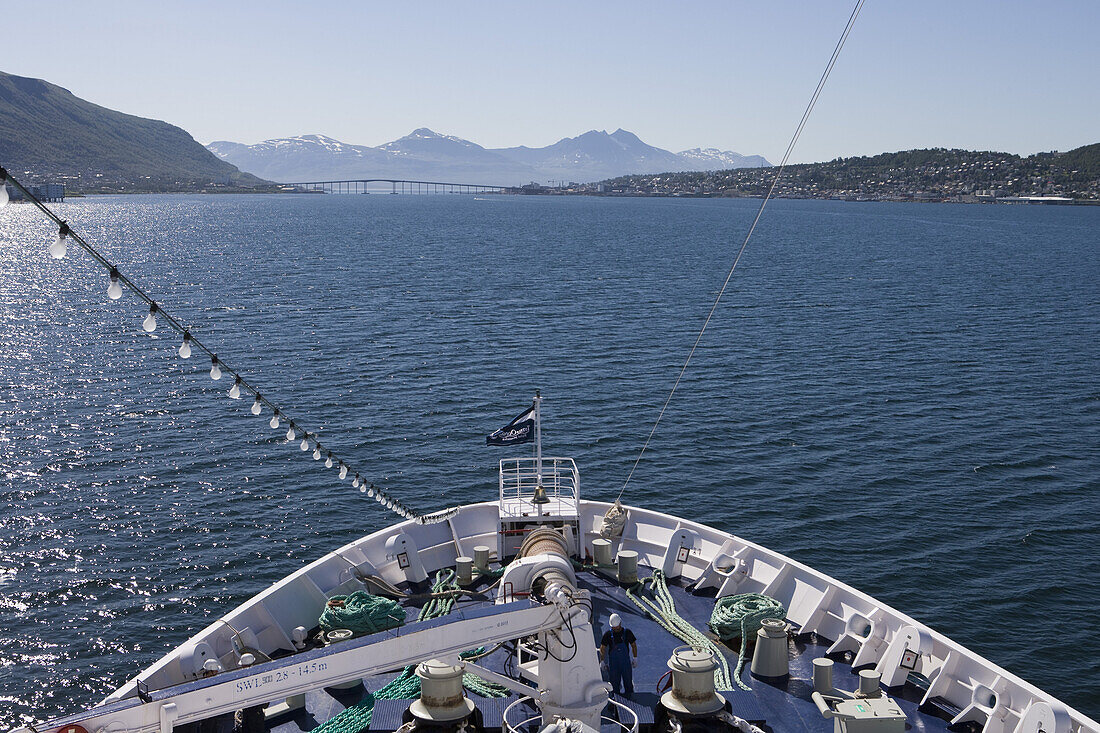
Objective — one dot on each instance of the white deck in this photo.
(985, 693)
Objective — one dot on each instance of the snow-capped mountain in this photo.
(304, 158)
(713, 159)
(420, 155)
(427, 155)
(596, 155)
(425, 142)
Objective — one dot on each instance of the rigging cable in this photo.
(218, 367)
(745, 243)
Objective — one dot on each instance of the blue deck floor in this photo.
(773, 705)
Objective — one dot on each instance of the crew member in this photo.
(619, 655)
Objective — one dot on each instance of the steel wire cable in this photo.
(775, 180)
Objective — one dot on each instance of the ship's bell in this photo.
(540, 496)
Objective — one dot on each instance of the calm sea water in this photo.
(902, 396)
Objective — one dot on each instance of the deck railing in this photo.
(519, 477)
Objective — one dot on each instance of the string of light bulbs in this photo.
(310, 442)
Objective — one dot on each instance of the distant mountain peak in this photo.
(427, 134)
(715, 159)
(626, 136)
(317, 138)
(329, 143)
(427, 154)
(708, 151)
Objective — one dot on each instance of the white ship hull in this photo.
(995, 699)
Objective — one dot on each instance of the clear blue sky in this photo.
(1015, 76)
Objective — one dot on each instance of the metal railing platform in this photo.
(520, 478)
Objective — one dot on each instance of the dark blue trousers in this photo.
(620, 671)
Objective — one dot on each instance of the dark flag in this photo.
(520, 430)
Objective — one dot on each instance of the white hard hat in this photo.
(616, 620)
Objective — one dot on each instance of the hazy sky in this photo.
(1015, 76)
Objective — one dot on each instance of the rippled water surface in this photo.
(902, 396)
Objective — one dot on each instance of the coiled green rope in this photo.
(407, 685)
(741, 615)
(361, 613)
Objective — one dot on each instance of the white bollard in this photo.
(628, 567)
(464, 569)
(823, 675)
(601, 551)
(868, 683)
(481, 558)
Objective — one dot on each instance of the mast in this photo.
(538, 436)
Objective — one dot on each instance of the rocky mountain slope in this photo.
(48, 134)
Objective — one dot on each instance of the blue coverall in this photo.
(618, 664)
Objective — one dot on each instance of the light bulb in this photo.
(362, 489)
(257, 406)
(3, 192)
(355, 481)
(150, 322)
(317, 453)
(215, 370)
(343, 472)
(60, 246)
(381, 499)
(185, 347)
(328, 461)
(305, 442)
(235, 390)
(290, 433)
(114, 290)
(274, 420)
(370, 493)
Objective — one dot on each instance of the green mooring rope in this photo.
(407, 685)
(662, 609)
(491, 573)
(733, 616)
(362, 613)
(741, 615)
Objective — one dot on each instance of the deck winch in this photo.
(692, 705)
(692, 693)
(563, 664)
(442, 705)
(543, 560)
(770, 659)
